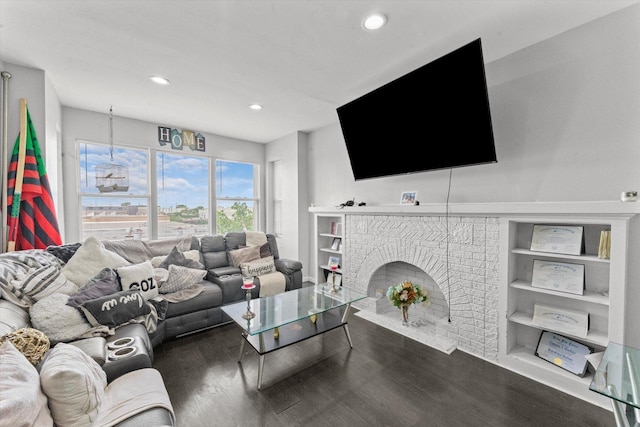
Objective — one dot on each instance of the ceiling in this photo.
(300, 59)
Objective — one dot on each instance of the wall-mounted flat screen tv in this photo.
(435, 117)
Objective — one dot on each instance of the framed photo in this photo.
(334, 260)
(408, 198)
(335, 246)
(563, 352)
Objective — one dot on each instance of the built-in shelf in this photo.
(602, 298)
(324, 237)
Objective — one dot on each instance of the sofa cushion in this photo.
(89, 259)
(104, 283)
(74, 384)
(248, 254)
(258, 267)
(139, 277)
(180, 278)
(211, 297)
(22, 402)
(214, 251)
(115, 309)
(38, 283)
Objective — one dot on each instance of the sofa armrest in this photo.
(95, 347)
(231, 286)
(221, 271)
(288, 266)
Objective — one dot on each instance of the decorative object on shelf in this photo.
(558, 276)
(406, 293)
(247, 285)
(629, 196)
(604, 249)
(408, 198)
(558, 239)
(334, 228)
(563, 352)
(335, 245)
(333, 267)
(573, 322)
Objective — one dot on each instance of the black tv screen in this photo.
(435, 117)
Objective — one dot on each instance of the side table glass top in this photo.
(287, 307)
(617, 376)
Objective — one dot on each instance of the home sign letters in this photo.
(181, 138)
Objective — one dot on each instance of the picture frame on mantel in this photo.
(408, 197)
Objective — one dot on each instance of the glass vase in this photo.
(404, 309)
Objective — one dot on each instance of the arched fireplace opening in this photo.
(396, 272)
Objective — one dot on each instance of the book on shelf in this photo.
(338, 229)
(604, 249)
(333, 228)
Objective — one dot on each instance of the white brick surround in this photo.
(381, 250)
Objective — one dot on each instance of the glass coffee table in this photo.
(290, 317)
(618, 378)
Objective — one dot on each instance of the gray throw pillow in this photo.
(103, 283)
(248, 254)
(176, 257)
(116, 309)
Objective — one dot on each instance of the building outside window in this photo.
(237, 199)
(182, 183)
(130, 193)
(117, 200)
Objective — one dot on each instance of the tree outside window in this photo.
(236, 197)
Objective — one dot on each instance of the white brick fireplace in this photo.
(385, 249)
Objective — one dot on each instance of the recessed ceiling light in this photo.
(374, 21)
(255, 107)
(159, 80)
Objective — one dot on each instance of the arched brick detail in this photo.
(372, 241)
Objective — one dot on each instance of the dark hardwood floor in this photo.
(385, 380)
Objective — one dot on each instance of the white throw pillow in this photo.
(258, 267)
(57, 320)
(90, 258)
(74, 384)
(139, 277)
(38, 283)
(22, 402)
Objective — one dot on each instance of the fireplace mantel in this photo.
(481, 264)
(591, 208)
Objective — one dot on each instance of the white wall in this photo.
(92, 126)
(291, 150)
(566, 123)
(44, 108)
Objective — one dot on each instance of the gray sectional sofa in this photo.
(176, 315)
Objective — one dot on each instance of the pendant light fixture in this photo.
(112, 177)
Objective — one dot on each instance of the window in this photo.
(183, 195)
(117, 200)
(236, 197)
(114, 192)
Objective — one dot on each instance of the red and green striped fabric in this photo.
(32, 220)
